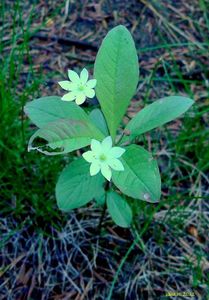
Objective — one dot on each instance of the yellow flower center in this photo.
(81, 88)
(102, 157)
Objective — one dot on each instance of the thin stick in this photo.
(65, 41)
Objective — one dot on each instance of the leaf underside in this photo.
(64, 126)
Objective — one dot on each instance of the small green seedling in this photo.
(115, 167)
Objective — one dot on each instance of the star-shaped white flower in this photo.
(104, 157)
(79, 87)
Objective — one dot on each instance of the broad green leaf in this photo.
(97, 117)
(158, 113)
(67, 135)
(119, 209)
(50, 109)
(140, 178)
(116, 71)
(75, 186)
(100, 199)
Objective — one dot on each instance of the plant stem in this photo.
(107, 186)
(101, 218)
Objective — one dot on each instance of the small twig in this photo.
(65, 41)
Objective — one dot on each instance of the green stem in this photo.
(101, 218)
(107, 187)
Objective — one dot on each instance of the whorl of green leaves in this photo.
(65, 127)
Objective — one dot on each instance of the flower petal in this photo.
(73, 76)
(107, 144)
(90, 93)
(69, 96)
(84, 75)
(116, 152)
(80, 98)
(67, 85)
(116, 164)
(106, 171)
(96, 146)
(94, 168)
(91, 83)
(89, 156)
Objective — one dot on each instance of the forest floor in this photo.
(45, 254)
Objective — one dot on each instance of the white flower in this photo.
(79, 87)
(104, 157)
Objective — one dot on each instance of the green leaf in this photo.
(69, 135)
(50, 109)
(116, 71)
(97, 117)
(158, 113)
(140, 178)
(75, 186)
(62, 124)
(119, 209)
(100, 199)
